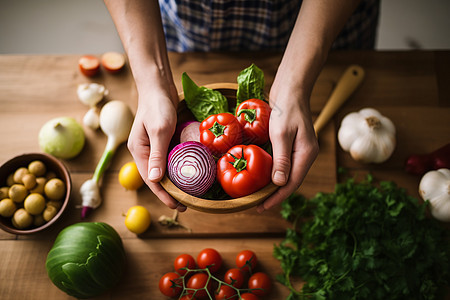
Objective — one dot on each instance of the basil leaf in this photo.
(250, 84)
(201, 101)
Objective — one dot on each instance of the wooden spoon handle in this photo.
(347, 84)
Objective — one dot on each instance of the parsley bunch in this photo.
(363, 242)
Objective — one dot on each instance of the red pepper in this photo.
(254, 114)
(420, 164)
(220, 132)
(244, 170)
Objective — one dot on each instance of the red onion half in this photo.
(192, 168)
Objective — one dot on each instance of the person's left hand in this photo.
(294, 143)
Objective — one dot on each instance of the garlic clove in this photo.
(91, 93)
(91, 118)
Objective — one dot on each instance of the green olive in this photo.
(18, 174)
(10, 180)
(49, 212)
(56, 204)
(22, 219)
(7, 207)
(29, 181)
(4, 192)
(39, 187)
(55, 189)
(37, 168)
(38, 220)
(34, 203)
(17, 192)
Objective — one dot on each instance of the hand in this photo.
(294, 144)
(149, 139)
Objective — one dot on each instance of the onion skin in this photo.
(189, 157)
(191, 132)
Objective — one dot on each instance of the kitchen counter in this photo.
(410, 88)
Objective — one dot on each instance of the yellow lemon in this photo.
(129, 176)
(137, 219)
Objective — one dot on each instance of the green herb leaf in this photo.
(363, 242)
(201, 101)
(250, 84)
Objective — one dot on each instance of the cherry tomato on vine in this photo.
(249, 296)
(254, 115)
(261, 283)
(199, 282)
(220, 132)
(209, 258)
(234, 277)
(183, 261)
(226, 293)
(244, 170)
(246, 261)
(170, 284)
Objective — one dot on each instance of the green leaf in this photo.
(250, 84)
(201, 101)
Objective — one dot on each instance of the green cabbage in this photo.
(86, 260)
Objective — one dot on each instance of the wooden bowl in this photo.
(52, 164)
(206, 205)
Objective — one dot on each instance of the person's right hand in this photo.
(150, 136)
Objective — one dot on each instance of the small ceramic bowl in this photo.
(215, 206)
(52, 164)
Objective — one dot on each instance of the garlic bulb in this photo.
(367, 135)
(92, 119)
(435, 187)
(91, 93)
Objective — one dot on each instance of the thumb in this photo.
(282, 152)
(157, 159)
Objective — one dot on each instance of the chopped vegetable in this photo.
(363, 242)
(86, 260)
(89, 65)
(220, 132)
(419, 164)
(435, 188)
(116, 120)
(191, 167)
(201, 101)
(113, 62)
(244, 170)
(250, 84)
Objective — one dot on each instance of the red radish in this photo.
(419, 164)
(113, 61)
(191, 132)
(89, 65)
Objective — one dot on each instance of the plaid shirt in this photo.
(233, 25)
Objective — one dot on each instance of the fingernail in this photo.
(155, 173)
(279, 177)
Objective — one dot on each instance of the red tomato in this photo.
(170, 284)
(209, 258)
(186, 297)
(199, 282)
(183, 261)
(234, 277)
(89, 65)
(246, 261)
(249, 296)
(254, 115)
(220, 132)
(226, 293)
(113, 61)
(244, 170)
(261, 284)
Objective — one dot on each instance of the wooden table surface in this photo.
(411, 88)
